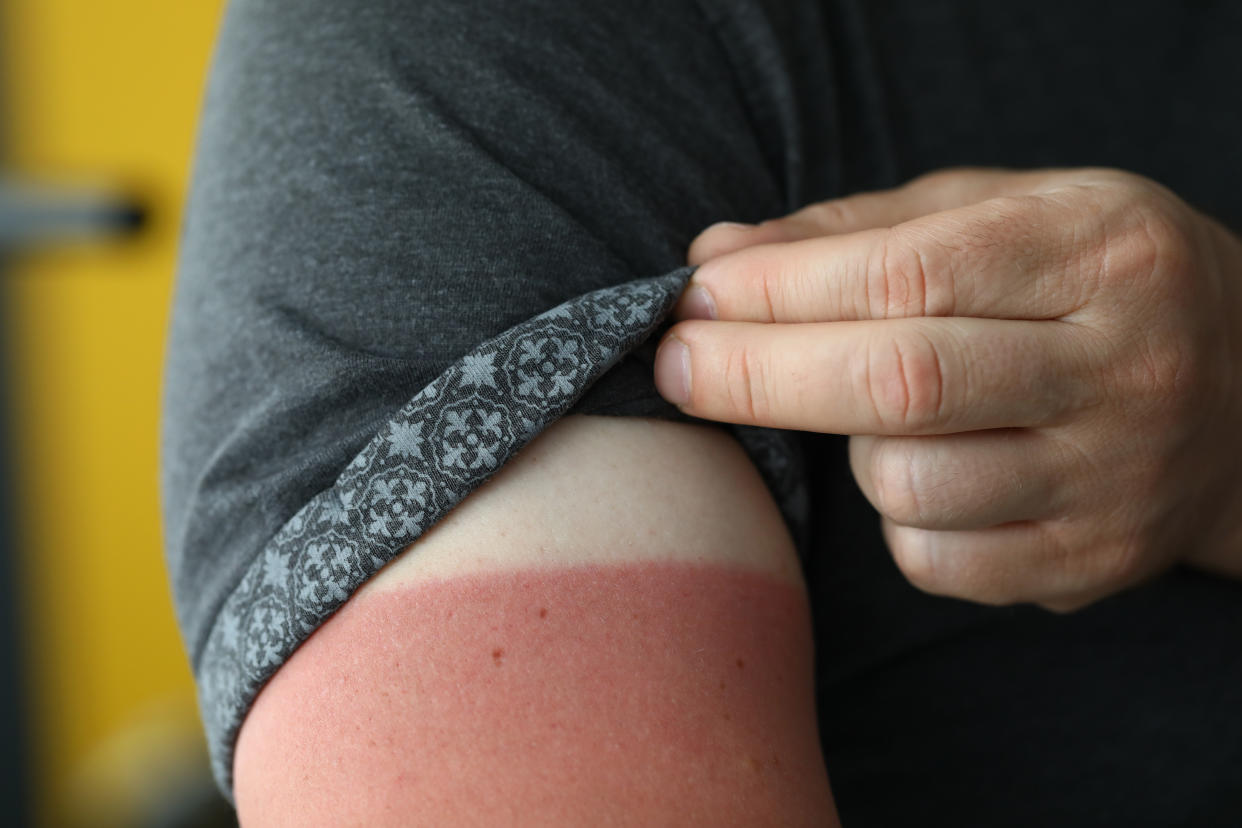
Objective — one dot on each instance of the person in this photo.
(936, 524)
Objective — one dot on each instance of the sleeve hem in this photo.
(447, 440)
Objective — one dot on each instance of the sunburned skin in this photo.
(592, 695)
(544, 657)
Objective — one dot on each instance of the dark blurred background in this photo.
(98, 724)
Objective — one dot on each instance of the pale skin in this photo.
(1041, 371)
(613, 630)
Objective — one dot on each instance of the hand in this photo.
(1043, 371)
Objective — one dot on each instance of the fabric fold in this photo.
(447, 440)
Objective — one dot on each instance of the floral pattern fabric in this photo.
(446, 441)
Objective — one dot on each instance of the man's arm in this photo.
(613, 630)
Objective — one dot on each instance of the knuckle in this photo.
(747, 383)
(918, 268)
(835, 212)
(769, 283)
(906, 383)
(1167, 238)
(1156, 242)
(899, 285)
(899, 482)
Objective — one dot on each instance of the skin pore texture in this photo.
(613, 630)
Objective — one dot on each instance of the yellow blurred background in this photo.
(101, 93)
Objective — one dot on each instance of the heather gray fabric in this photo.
(414, 223)
(380, 189)
(449, 438)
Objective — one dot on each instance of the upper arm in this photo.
(419, 234)
(381, 185)
(612, 630)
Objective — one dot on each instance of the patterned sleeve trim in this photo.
(446, 441)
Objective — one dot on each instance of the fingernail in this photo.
(697, 304)
(672, 370)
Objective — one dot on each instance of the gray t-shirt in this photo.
(418, 232)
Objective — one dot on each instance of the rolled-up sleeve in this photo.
(418, 233)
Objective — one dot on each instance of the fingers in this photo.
(903, 376)
(971, 480)
(1043, 562)
(1008, 564)
(1032, 257)
(929, 193)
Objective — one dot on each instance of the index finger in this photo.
(930, 192)
(1009, 257)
